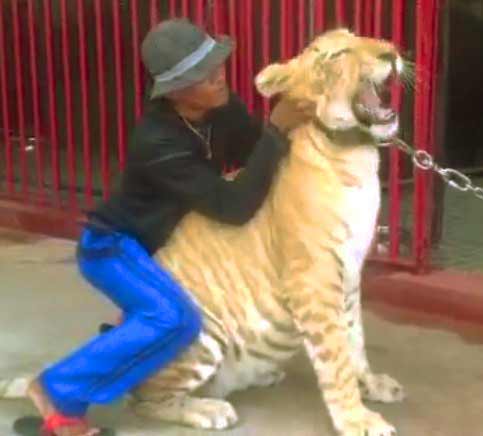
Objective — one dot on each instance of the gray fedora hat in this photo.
(178, 54)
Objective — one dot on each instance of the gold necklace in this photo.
(206, 141)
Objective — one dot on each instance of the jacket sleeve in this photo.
(199, 186)
(239, 130)
(240, 149)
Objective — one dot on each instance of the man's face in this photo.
(206, 95)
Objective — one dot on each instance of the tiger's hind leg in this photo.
(166, 396)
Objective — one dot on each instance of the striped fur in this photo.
(289, 278)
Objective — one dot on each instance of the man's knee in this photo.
(193, 321)
(177, 316)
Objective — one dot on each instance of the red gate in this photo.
(71, 86)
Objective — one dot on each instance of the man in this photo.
(191, 128)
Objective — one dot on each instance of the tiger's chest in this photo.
(363, 205)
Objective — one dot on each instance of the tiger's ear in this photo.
(273, 79)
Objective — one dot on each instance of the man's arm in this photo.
(202, 189)
(240, 130)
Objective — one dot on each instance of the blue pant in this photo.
(160, 321)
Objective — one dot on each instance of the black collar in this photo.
(348, 137)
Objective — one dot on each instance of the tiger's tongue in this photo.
(368, 107)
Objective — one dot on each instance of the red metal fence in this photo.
(71, 86)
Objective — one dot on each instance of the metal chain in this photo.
(423, 160)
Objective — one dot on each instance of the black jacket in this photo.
(167, 173)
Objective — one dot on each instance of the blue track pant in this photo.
(160, 321)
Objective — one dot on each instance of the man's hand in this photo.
(287, 115)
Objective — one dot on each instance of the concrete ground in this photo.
(46, 310)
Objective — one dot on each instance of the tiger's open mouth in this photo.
(371, 104)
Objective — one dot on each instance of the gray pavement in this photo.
(46, 310)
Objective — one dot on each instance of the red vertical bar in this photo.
(433, 83)
(153, 12)
(102, 98)
(266, 32)
(434, 73)
(378, 14)
(219, 23)
(291, 22)
(54, 142)
(232, 12)
(118, 61)
(86, 131)
(35, 98)
(427, 71)
(249, 55)
(241, 39)
(429, 43)
(284, 29)
(302, 23)
(5, 108)
(199, 13)
(319, 16)
(217, 17)
(136, 59)
(340, 12)
(20, 97)
(394, 154)
(368, 15)
(431, 33)
(185, 8)
(420, 242)
(71, 156)
(358, 17)
(287, 28)
(418, 126)
(172, 8)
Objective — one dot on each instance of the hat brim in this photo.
(217, 56)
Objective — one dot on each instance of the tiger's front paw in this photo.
(202, 413)
(381, 388)
(364, 422)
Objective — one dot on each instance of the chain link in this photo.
(455, 179)
(423, 160)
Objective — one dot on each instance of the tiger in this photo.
(290, 278)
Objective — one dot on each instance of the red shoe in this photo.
(56, 420)
(36, 426)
